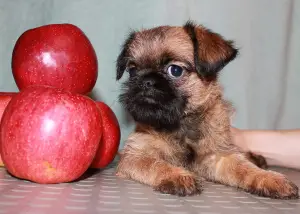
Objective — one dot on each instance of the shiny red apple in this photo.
(49, 135)
(5, 97)
(110, 140)
(58, 55)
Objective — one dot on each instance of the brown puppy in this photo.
(182, 133)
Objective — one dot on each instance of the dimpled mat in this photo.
(103, 192)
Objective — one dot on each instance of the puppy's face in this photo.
(172, 71)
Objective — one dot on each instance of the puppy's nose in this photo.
(148, 82)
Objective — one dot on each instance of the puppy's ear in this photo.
(211, 51)
(123, 56)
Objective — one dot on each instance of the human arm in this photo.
(279, 147)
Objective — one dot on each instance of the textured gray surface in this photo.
(102, 192)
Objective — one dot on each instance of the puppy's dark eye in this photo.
(175, 71)
(132, 71)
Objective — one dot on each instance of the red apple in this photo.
(58, 55)
(110, 140)
(49, 135)
(5, 97)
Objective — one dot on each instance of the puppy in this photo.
(182, 135)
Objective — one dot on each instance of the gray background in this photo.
(262, 82)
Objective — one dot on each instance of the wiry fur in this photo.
(182, 133)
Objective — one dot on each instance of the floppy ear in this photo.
(123, 56)
(211, 51)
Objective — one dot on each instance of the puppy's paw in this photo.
(274, 185)
(181, 185)
(121, 175)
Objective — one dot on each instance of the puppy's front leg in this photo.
(235, 170)
(162, 176)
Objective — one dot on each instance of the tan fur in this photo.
(153, 44)
(212, 47)
(153, 158)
